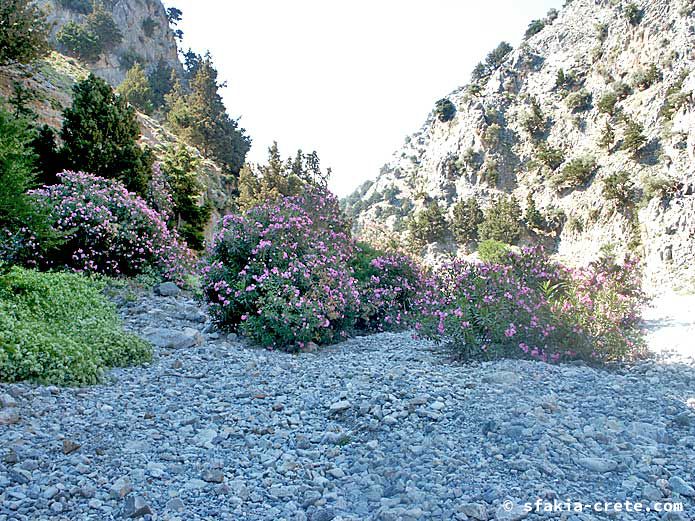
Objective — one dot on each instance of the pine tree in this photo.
(201, 117)
(23, 32)
(502, 221)
(191, 215)
(135, 89)
(100, 134)
(429, 225)
(533, 217)
(467, 216)
(48, 162)
(18, 210)
(162, 80)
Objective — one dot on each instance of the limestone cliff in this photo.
(596, 68)
(145, 30)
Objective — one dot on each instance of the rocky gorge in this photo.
(379, 427)
(581, 80)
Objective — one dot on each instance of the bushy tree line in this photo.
(263, 183)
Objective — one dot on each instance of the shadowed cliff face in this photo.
(598, 65)
(143, 24)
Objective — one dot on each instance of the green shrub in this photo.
(576, 173)
(493, 252)
(675, 97)
(532, 216)
(58, 328)
(607, 136)
(491, 136)
(619, 187)
(601, 32)
(606, 104)
(445, 110)
(128, 59)
(564, 80)
(428, 225)
(644, 79)
(579, 101)
(633, 14)
(79, 41)
(535, 27)
(622, 90)
(533, 120)
(502, 221)
(658, 186)
(148, 26)
(550, 156)
(135, 89)
(634, 139)
(467, 216)
(23, 32)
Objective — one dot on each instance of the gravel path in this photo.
(382, 427)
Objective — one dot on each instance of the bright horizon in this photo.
(349, 80)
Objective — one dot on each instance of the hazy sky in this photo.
(348, 79)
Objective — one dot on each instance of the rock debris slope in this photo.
(382, 427)
(597, 64)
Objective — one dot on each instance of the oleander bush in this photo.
(287, 273)
(108, 230)
(389, 284)
(531, 307)
(59, 328)
(279, 273)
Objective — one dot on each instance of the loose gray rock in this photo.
(173, 339)
(136, 506)
(679, 486)
(168, 289)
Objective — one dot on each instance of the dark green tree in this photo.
(135, 89)
(502, 221)
(200, 116)
(429, 225)
(76, 40)
(100, 135)
(495, 58)
(191, 214)
(48, 160)
(23, 32)
(466, 218)
(18, 210)
(533, 216)
(445, 110)
(161, 80)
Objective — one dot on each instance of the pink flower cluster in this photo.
(279, 273)
(160, 194)
(388, 292)
(532, 307)
(110, 230)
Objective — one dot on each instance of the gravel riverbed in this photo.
(380, 427)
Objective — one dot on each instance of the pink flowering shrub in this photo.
(389, 284)
(533, 308)
(108, 230)
(160, 194)
(279, 273)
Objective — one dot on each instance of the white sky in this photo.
(348, 79)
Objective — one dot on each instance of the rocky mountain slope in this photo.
(145, 30)
(577, 90)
